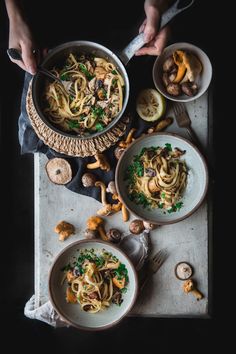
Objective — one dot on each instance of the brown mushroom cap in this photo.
(136, 226)
(59, 170)
(88, 180)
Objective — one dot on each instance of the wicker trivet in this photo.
(69, 145)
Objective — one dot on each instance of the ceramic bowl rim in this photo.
(188, 98)
(204, 165)
(62, 315)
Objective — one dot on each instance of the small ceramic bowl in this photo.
(203, 80)
(197, 179)
(72, 313)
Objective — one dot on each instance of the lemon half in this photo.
(150, 105)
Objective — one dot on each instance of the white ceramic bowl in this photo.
(204, 78)
(197, 180)
(72, 313)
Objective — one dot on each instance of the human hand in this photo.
(155, 41)
(21, 39)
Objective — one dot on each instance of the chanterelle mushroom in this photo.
(101, 162)
(64, 229)
(96, 223)
(58, 171)
(107, 208)
(189, 286)
(125, 143)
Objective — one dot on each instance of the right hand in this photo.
(21, 39)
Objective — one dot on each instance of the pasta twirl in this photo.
(98, 98)
(96, 280)
(157, 178)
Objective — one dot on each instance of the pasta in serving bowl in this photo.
(92, 284)
(100, 88)
(162, 178)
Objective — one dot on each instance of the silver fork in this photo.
(183, 120)
(154, 264)
(16, 55)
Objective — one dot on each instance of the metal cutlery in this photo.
(154, 264)
(16, 55)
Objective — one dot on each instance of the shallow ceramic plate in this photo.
(72, 313)
(203, 80)
(197, 181)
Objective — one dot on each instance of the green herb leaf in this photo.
(86, 72)
(114, 72)
(168, 146)
(98, 111)
(163, 195)
(99, 127)
(65, 77)
(73, 124)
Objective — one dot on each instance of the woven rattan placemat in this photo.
(73, 146)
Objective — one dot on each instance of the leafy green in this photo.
(86, 72)
(73, 124)
(65, 77)
(97, 111)
(168, 146)
(163, 195)
(140, 199)
(114, 72)
(175, 207)
(122, 272)
(99, 127)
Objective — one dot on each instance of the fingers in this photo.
(151, 28)
(29, 58)
(157, 45)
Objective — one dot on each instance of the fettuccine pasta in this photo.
(96, 280)
(157, 178)
(98, 98)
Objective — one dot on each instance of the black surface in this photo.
(17, 255)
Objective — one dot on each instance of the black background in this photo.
(198, 26)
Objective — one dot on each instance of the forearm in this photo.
(161, 5)
(14, 11)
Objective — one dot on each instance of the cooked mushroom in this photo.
(193, 66)
(95, 223)
(118, 152)
(124, 210)
(168, 64)
(189, 88)
(64, 229)
(111, 188)
(59, 170)
(149, 225)
(88, 180)
(165, 79)
(107, 208)
(189, 286)
(101, 162)
(173, 89)
(114, 235)
(136, 226)
(90, 234)
(125, 143)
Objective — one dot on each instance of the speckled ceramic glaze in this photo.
(203, 80)
(197, 180)
(72, 313)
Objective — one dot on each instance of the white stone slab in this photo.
(185, 241)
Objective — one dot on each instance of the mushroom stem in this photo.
(125, 213)
(197, 294)
(128, 140)
(102, 233)
(103, 191)
(101, 162)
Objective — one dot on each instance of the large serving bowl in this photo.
(72, 313)
(203, 80)
(197, 178)
(55, 58)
